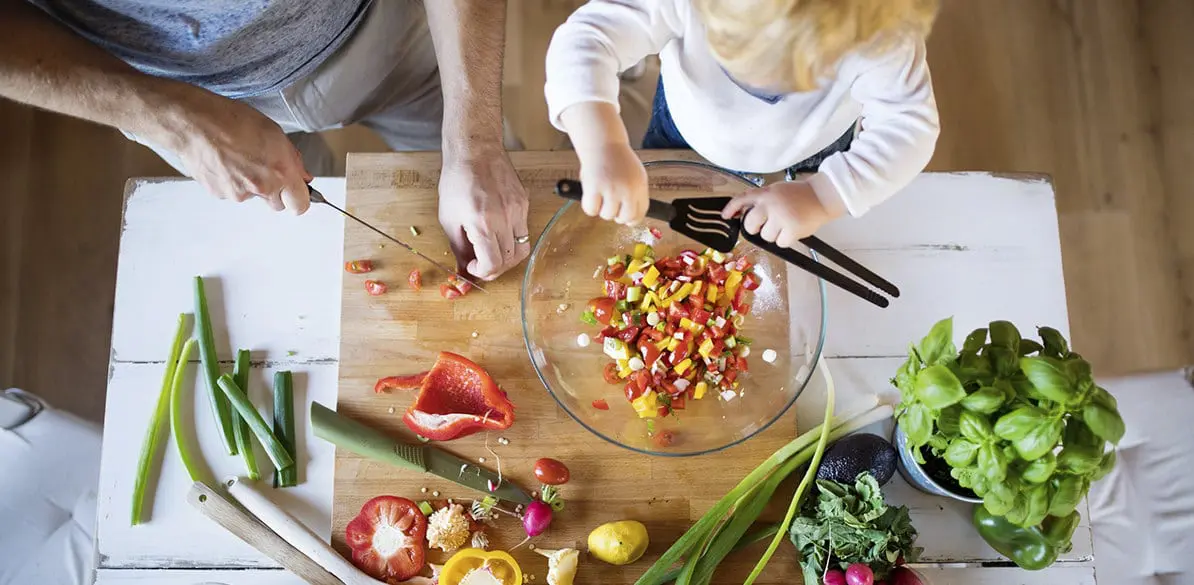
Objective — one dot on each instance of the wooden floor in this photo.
(1097, 93)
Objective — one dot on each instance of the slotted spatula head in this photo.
(698, 217)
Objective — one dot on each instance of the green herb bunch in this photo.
(1021, 423)
(852, 524)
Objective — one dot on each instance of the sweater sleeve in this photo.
(899, 132)
(600, 40)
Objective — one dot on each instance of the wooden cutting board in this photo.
(402, 331)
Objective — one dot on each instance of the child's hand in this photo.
(782, 213)
(615, 184)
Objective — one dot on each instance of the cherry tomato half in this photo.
(448, 291)
(415, 279)
(664, 438)
(359, 266)
(603, 309)
(551, 472)
(615, 271)
(610, 373)
(376, 287)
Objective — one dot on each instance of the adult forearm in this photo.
(45, 65)
(469, 38)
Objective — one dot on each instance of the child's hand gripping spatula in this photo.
(700, 219)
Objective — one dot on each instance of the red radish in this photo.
(834, 577)
(904, 576)
(859, 574)
(536, 518)
(386, 538)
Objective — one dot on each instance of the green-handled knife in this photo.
(365, 441)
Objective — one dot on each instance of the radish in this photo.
(536, 518)
(903, 576)
(859, 574)
(834, 577)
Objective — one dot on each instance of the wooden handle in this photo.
(296, 534)
(224, 512)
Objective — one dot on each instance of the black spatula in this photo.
(698, 217)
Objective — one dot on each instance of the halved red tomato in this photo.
(615, 290)
(615, 271)
(415, 279)
(610, 373)
(603, 309)
(386, 538)
(739, 299)
(609, 331)
(376, 287)
(448, 291)
(750, 281)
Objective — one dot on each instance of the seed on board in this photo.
(481, 460)
(390, 410)
(423, 490)
(474, 334)
(503, 441)
(435, 494)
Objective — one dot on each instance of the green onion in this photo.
(759, 535)
(154, 436)
(185, 450)
(425, 508)
(277, 453)
(588, 317)
(209, 361)
(284, 426)
(240, 428)
(651, 426)
(740, 340)
(621, 306)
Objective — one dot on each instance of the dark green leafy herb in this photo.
(852, 524)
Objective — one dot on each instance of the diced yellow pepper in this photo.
(711, 294)
(640, 250)
(683, 366)
(651, 278)
(699, 393)
(637, 266)
(672, 344)
(623, 368)
(732, 282)
(664, 343)
(706, 348)
(698, 287)
(649, 300)
(687, 323)
(647, 405)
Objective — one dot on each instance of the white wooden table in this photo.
(975, 246)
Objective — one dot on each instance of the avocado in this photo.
(854, 454)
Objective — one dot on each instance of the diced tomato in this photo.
(678, 311)
(739, 299)
(670, 387)
(670, 328)
(656, 233)
(603, 309)
(653, 334)
(610, 373)
(741, 264)
(663, 411)
(415, 279)
(628, 334)
(701, 316)
(463, 286)
(741, 364)
(641, 379)
(647, 349)
(678, 402)
(664, 438)
(600, 404)
(609, 331)
(744, 309)
(376, 287)
(682, 351)
(750, 281)
(729, 377)
(448, 291)
(358, 266)
(633, 391)
(718, 274)
(615, 271)
(615, 290)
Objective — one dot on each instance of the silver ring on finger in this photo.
(522, 239)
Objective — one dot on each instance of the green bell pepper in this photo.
(1032, 548)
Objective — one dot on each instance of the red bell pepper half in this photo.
(388, 383)
(387, 539)
(456, 398)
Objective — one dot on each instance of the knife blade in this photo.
(366, 441)
(317, 197)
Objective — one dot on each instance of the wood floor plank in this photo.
(16, 123)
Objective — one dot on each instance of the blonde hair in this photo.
(792, 45)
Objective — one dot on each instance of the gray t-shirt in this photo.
(236, 48)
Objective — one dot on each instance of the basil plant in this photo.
(1021, 423)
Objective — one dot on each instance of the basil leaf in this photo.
(975, 428)
(1104, 422)
(1040, 440)
(999, 499)
(1037, 504)
(986, 400)
(949, 422)
(1068, 491)
(1028, 346)
(938, 443)
(992, 463)
(961, 453)
(1078, 460)
(974, 341)
(1048, 376)
(1025, 389)
(1105, 466)
(1041, 470)
(1077, 433)
(967, 476)
(938, 347)
(937, 387)
(1008, 389)
(1004, 361)
(1004, 334)
(905, 378)
(1016, 424)
(917, 423)
(1019, 512)
(1101, 396)
(1055, 344)
(1078, 369)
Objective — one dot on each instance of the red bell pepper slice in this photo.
(412, 382)
(629, 334)
(458, 398)
(387, 539)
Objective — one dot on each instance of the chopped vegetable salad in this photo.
(671, 326)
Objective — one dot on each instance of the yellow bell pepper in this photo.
(706, 348)
(699, 393)
(664, 343)
(732, 282)
(640, 250)
(500, 564)
(698, 288)
(711, 294)
(683, 366)
(672, 344)
(649, 301)
(647, 405)
(638, 265)
(651, 278)
(623, 368)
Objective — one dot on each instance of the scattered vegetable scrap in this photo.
(386, 538)
(601, 404)
(551, 472)
(376, 287)
(415, 279)
(561, 565)
(475, 566)
(448, 528)
(358, 266)
(414, 231)
(479, 540)
(456, 398)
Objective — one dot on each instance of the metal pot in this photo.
(917, 477)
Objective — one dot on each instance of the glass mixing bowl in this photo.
(787, 316)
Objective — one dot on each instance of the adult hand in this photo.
(782, 213)
(237, 153)
(483, 209)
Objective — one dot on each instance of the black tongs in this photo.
(700, 219)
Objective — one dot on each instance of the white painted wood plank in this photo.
(276, 276)
(193, 577)
(1055, 575)
(176, 535)
(969, 245)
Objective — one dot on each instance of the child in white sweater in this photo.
(753, 86)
